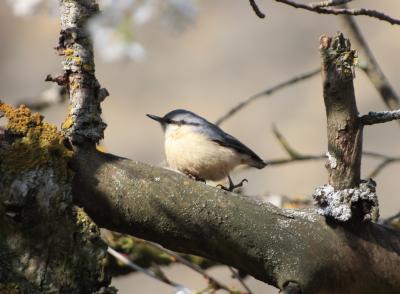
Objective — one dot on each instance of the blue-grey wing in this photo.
(219, 136)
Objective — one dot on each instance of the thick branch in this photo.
(344, 131)
(276, 246)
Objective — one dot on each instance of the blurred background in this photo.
(211, 58)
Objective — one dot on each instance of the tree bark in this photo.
(274, 245)
(45, 243)
(84, 123)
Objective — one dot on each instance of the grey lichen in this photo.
(332, 161)
(343, 205)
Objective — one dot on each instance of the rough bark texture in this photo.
(84, 123)
(276, 246)
(344, 130)
(46, 245)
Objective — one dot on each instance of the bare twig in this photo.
(266, 92)
(338, 11)
(387, 161)
(134, 266)
(257, 10)
(51, 96)
(216, 284)
(237, 276)
(369, 64)
(295, 156)
(388, 221)
(327, 3)
(379, 117)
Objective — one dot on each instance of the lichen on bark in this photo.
(45, 243)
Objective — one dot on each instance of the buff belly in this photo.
(193, 153)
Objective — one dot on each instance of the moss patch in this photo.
(33, 143)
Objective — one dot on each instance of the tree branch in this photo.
(373, 117)
(338, 11)
(257, 10)
(274, 245)
(369, 64)
(84, 123)
(344, 130)
(327, 3)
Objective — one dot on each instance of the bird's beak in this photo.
(156, 118)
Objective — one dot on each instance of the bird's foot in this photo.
(232, 186)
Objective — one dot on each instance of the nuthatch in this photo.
(201, 149)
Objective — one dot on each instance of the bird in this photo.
(202, 150)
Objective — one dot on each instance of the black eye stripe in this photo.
(181, 122)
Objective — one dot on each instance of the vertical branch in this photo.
(84, 123)
(344, 130)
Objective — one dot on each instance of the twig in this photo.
(387, 161)
(237, 276)
(379, 117)
(369, 65)
(256, 9)
(338, 11)
(280, 161)
(191, 265)
(388, 220)
(51, 96)
(138, 268)
(266, 92)
(284, 143)
(295, 156)
(329, 3)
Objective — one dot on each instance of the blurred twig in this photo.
(257, 10)
(237, 276)
(266, 92)
(370, 66)
(338, 11)
(386, 161)
(216, 284)
(127, 262)
(49, 97)
(295, 156)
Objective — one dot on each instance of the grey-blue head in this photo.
(180, 117)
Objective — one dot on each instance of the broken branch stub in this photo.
(346, 197)
(344, 131)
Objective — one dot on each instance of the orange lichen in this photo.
(34, 144)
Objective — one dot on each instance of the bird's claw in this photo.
(232, 186)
